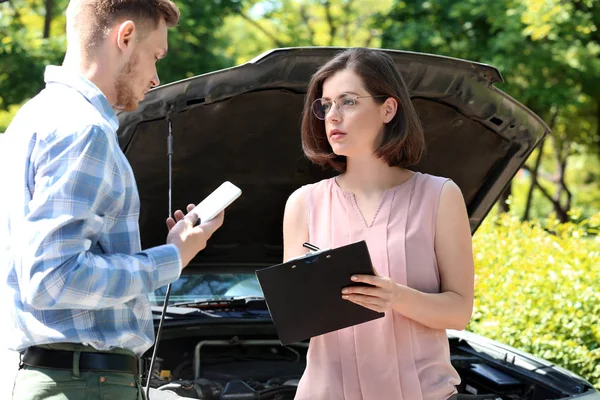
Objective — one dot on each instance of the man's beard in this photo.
(126, 97)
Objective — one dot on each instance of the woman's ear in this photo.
(389, 109)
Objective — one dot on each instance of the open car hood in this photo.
(242, 124)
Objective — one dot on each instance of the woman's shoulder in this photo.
(318, 186)
(429, 179)
(438, 188)
(428, 183)
(299, 197)
(434, 188)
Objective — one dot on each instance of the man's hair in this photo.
(93, 18)
(402, 142)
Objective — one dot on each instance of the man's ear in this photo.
(126, 35)
(389, 109)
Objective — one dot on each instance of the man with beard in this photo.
(74, 280)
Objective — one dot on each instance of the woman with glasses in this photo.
(359, 120)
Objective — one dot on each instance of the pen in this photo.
(310, 246)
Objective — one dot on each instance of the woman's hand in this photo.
(380, 297)
(452, 307)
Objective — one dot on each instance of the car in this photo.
(242, 124)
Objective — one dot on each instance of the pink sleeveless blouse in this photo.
(392, 358)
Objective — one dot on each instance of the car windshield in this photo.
(198, 287)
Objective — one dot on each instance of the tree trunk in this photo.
(562, 211)
(536, 169)
(562, 155)
(48, 18)
(504, 206)
(16, 11)
(330, 22)
(598, 124)
(349, 22)
(534, 175)
(306, 20)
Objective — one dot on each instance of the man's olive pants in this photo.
(36, 383)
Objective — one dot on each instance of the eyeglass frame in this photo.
(354, 97)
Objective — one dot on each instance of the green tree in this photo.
(548, 51)
(194, 46)
(259, 26)
(28, 41)
(32, 35)
(536, 289)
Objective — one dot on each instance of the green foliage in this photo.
(582, 175)
(7, 116)
(547, 50)
(536, 288)
(262, 25)
(194, 47)
(24, 52)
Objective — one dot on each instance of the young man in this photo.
(74, 280)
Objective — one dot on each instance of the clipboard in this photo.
(304, 295)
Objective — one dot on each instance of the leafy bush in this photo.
(537, 288)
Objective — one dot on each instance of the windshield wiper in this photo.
(236, 307)
(245, 303)
(182, 312)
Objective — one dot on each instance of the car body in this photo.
(242, 124)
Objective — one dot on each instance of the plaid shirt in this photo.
(71, 268)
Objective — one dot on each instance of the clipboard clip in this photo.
(314, 250)
(310, 246)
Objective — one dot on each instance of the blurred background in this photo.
(538, 253)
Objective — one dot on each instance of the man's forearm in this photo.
(90, 281)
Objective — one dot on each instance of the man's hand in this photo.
(188, 238)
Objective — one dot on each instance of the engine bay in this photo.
(233, 369)
(229, 368)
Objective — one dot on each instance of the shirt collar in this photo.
(62, 75)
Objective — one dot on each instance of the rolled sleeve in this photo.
(78, 186)
(168, 263)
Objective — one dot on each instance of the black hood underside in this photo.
(243, 125)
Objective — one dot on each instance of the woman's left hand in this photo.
(380, 297)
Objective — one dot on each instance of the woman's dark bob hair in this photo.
(402, 141)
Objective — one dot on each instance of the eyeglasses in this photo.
(345, 104)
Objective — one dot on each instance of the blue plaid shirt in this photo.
(71, 265)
